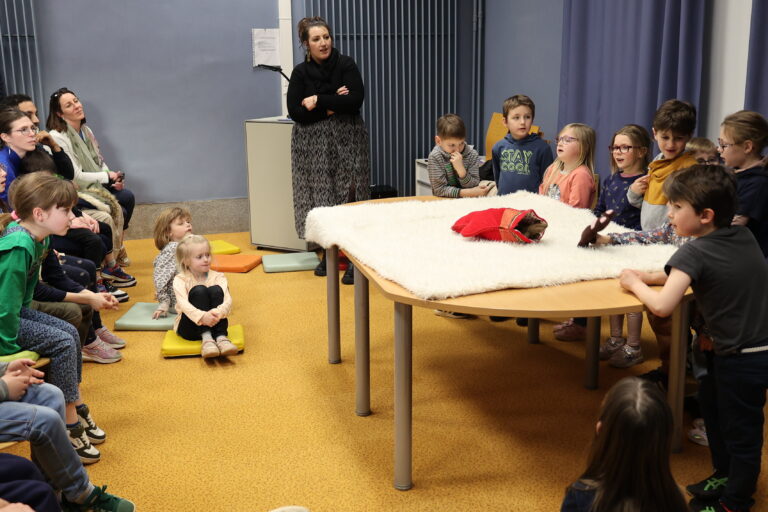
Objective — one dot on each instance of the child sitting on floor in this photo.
(628, 466)
(202, 298)
(170, 227)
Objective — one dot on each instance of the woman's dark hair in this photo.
(307, 23)
(54, 121)
(629, 459)
(8, 116)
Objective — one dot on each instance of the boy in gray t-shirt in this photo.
(726, 269)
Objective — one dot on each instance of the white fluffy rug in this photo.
(412, 244)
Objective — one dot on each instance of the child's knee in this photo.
(216, 294)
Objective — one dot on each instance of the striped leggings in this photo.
(58, 340)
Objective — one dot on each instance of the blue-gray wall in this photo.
(523, 42)
(166, 86)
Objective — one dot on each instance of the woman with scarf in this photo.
(329, 143)
(66, 124)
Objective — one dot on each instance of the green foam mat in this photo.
(290, 262)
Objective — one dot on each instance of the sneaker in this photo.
(100, 352)
(499, 318)
(570, 331)
(209, 350)
(700, 505)
(82, 445)
(100, 501)
(320, 270)
(110, 338)
(120, 295)
(226, 347)
(657, 376)
(452, 314)
(118, 277)
(94, 433)
(349, 275)
(710, 488)
(626, 356)
(521, 322)
(698, 436)
(610, 346)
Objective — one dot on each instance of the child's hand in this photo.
(629, 278)
(215, 313)
(457, 161)
(16, 507)
(208, 319)
(159, 313)
(24, 367)
(602, 240)
(640, 185)
(17, 384)
(310, 102)
(343, 91)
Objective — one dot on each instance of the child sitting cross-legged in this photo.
(202, 298)
(725, 267)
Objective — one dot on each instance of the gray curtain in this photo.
(623, 58)
(756, 97)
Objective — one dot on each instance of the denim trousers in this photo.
(39, 418)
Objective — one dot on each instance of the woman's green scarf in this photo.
(85, 151)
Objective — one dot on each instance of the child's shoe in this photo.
(610, 346)
(82, 445)
(569, 331)
(349, 275)
(100, 501)
(118, 277)
(99, 352)
(110, 338)
(452, 314)
(94, 433)
(209, 349)
(710, 488)
(700, 505)
(626, 356)
(226, 347)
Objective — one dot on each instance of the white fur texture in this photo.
(412, 244)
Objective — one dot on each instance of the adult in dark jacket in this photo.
(329, 143)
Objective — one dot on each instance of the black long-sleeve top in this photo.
(54, 284)
(324, 79)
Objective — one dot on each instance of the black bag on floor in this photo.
(382, 191)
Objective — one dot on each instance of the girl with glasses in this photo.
(570, 178)
(17, 138)
(629, 151)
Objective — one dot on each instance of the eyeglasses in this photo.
(28, 130)
(723, 145)
(565, 139)
(621, 149)
(709, 161)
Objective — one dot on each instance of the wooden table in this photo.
(591, 299)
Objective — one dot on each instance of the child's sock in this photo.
(222, 337)
(112, 263)
(617, 325)
(207, 336)
(70, 426)
(634, 327)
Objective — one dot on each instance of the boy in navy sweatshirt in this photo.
(520, 158)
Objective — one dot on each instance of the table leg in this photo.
(592, 349)
(676, 388)
(362, 346)
(403, 396)
(533, 330)
(332, 279)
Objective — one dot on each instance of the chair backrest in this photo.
(497, 130)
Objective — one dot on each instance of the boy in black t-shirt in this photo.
(726, 269)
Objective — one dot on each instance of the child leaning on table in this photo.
(726, 269)
(170, 227)
(453, 165)
(202, 298)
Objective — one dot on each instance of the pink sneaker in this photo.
(100, 352)
(110, 338)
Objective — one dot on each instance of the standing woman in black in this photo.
(329, 143)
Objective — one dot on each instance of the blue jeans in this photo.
(39, 418)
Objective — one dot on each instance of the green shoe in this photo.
(101, 501)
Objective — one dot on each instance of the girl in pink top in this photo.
(202, 298)
(570, 178)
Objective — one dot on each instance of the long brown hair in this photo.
(54, 120)
(629, 460)
(38, 190)
(8, 116)
(163, 225)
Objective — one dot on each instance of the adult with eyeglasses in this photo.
(17, 138)
(66, 124)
